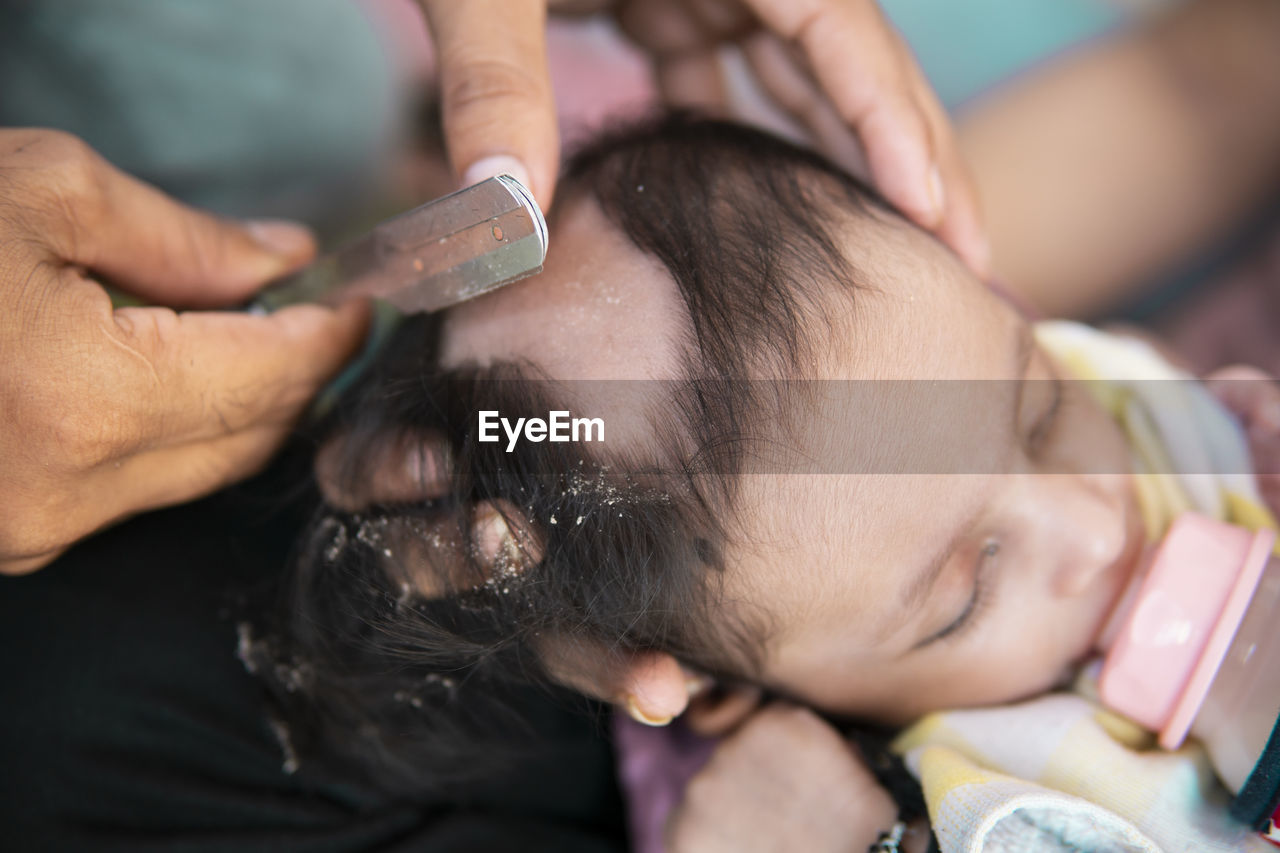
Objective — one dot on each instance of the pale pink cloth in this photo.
(595, 73)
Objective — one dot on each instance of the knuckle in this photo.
(87, 437)
(27, 149)
(67, 416)
(150, 330)
(74, 435)
(67, 165)
(918, 125)
(54, 180)
(481, 90)
(802, 27)
(81, 304)
(68, 152)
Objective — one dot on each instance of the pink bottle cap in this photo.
(1173, 639)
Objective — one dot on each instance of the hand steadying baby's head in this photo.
(823, 472)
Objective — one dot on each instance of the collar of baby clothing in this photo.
(1189, 453)
(1059, 772)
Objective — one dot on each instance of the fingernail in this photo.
(634, 712)
(499, 164)
(937, 194)
(280, 236)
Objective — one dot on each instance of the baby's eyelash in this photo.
(983, 590)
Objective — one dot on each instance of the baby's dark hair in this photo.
(405, 646)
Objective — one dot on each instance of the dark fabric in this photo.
(130, 723)
(1260, 796)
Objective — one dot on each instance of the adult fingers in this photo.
(853, 54)
(785, 779)
(86, 389)
(787, 84)
(692, 81)
(214, 373)
(172, 475)
(87, 213)
(151, 480)
(1253, 396)
(961, 227)
(408, 468)
(673, 27)
(27, 565)
(682, 38)
(876, 88)
(223, 392)
(1249, 392)
(499, 114)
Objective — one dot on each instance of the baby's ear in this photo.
(654, 689)
(650, 687)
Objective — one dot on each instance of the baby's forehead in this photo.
(601, 310)
(606, 311)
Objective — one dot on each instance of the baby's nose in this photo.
(1086, 528)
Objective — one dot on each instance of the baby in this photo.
(833, 466)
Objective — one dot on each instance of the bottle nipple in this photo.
(1165, 645)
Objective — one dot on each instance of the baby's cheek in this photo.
(1065, 636)
(1038, 647)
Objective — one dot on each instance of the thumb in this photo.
(225, 372)
(499, 113)
(163, 251)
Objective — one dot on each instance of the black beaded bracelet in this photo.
(889, 840)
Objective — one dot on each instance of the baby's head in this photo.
(872, 548)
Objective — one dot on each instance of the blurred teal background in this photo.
(246, 107)
(968, 46)
(292, 107)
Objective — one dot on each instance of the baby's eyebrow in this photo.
(914, 592)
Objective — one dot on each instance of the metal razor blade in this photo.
(445, 252)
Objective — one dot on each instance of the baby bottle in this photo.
(1196, 650)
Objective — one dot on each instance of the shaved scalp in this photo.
(419, 625)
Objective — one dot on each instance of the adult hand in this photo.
(836, 66)
(105, 413)
(1253, 396)
(785, 780)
